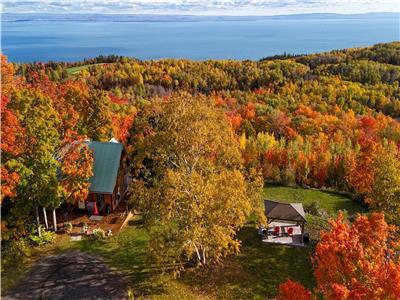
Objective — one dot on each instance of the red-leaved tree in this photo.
(11, 132)
(294, 291)
(354, 262)
(76, 167)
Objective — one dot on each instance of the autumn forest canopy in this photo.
(203, 137)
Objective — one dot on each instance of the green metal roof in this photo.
(105, 166)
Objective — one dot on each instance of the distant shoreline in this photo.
(84, 17)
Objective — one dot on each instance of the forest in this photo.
(327, 121)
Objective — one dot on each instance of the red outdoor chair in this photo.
(290, 231)
(276, 230)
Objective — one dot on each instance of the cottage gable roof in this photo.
(284, 211)
(107, 157)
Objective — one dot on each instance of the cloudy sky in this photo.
(197, 7)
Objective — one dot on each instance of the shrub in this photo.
(315, 224)
(14, 250)
(46, 238)
(99, 233)
(312, 208)
(14, 253)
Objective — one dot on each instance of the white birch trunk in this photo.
(39, 231)
(54, 220)
(197, 252)
(45, 218)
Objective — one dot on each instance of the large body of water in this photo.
(28, 40)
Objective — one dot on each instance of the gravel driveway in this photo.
(72, 275)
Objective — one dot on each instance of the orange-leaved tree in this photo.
(11, 132)
(357, 261)
(76, 167)
(11, 147)
(361, 170)
(294, 291)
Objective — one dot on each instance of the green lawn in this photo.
(330, 201)
(256, 272)
(127, 253)
(76, 70)
(253, 274)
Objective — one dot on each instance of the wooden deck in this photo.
(113, 221)
(283, 238)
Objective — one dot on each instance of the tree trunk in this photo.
(54, 220)
(201, 254)
(45, 218)
(37, 220)
(197, 252)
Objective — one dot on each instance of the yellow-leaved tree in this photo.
(385, 192)
(190, 184)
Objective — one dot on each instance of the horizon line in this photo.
(199, 15)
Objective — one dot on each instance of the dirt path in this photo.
(71, 275)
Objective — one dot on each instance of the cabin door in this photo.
(100, 202)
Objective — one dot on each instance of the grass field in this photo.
(253, 274)
(330, 201)
(76, 70)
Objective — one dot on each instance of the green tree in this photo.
(97, 117)
(385, 194)
(38, 184)
(190, 184)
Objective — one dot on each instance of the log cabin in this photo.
(110, 179)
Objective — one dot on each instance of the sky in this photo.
(197, 7)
